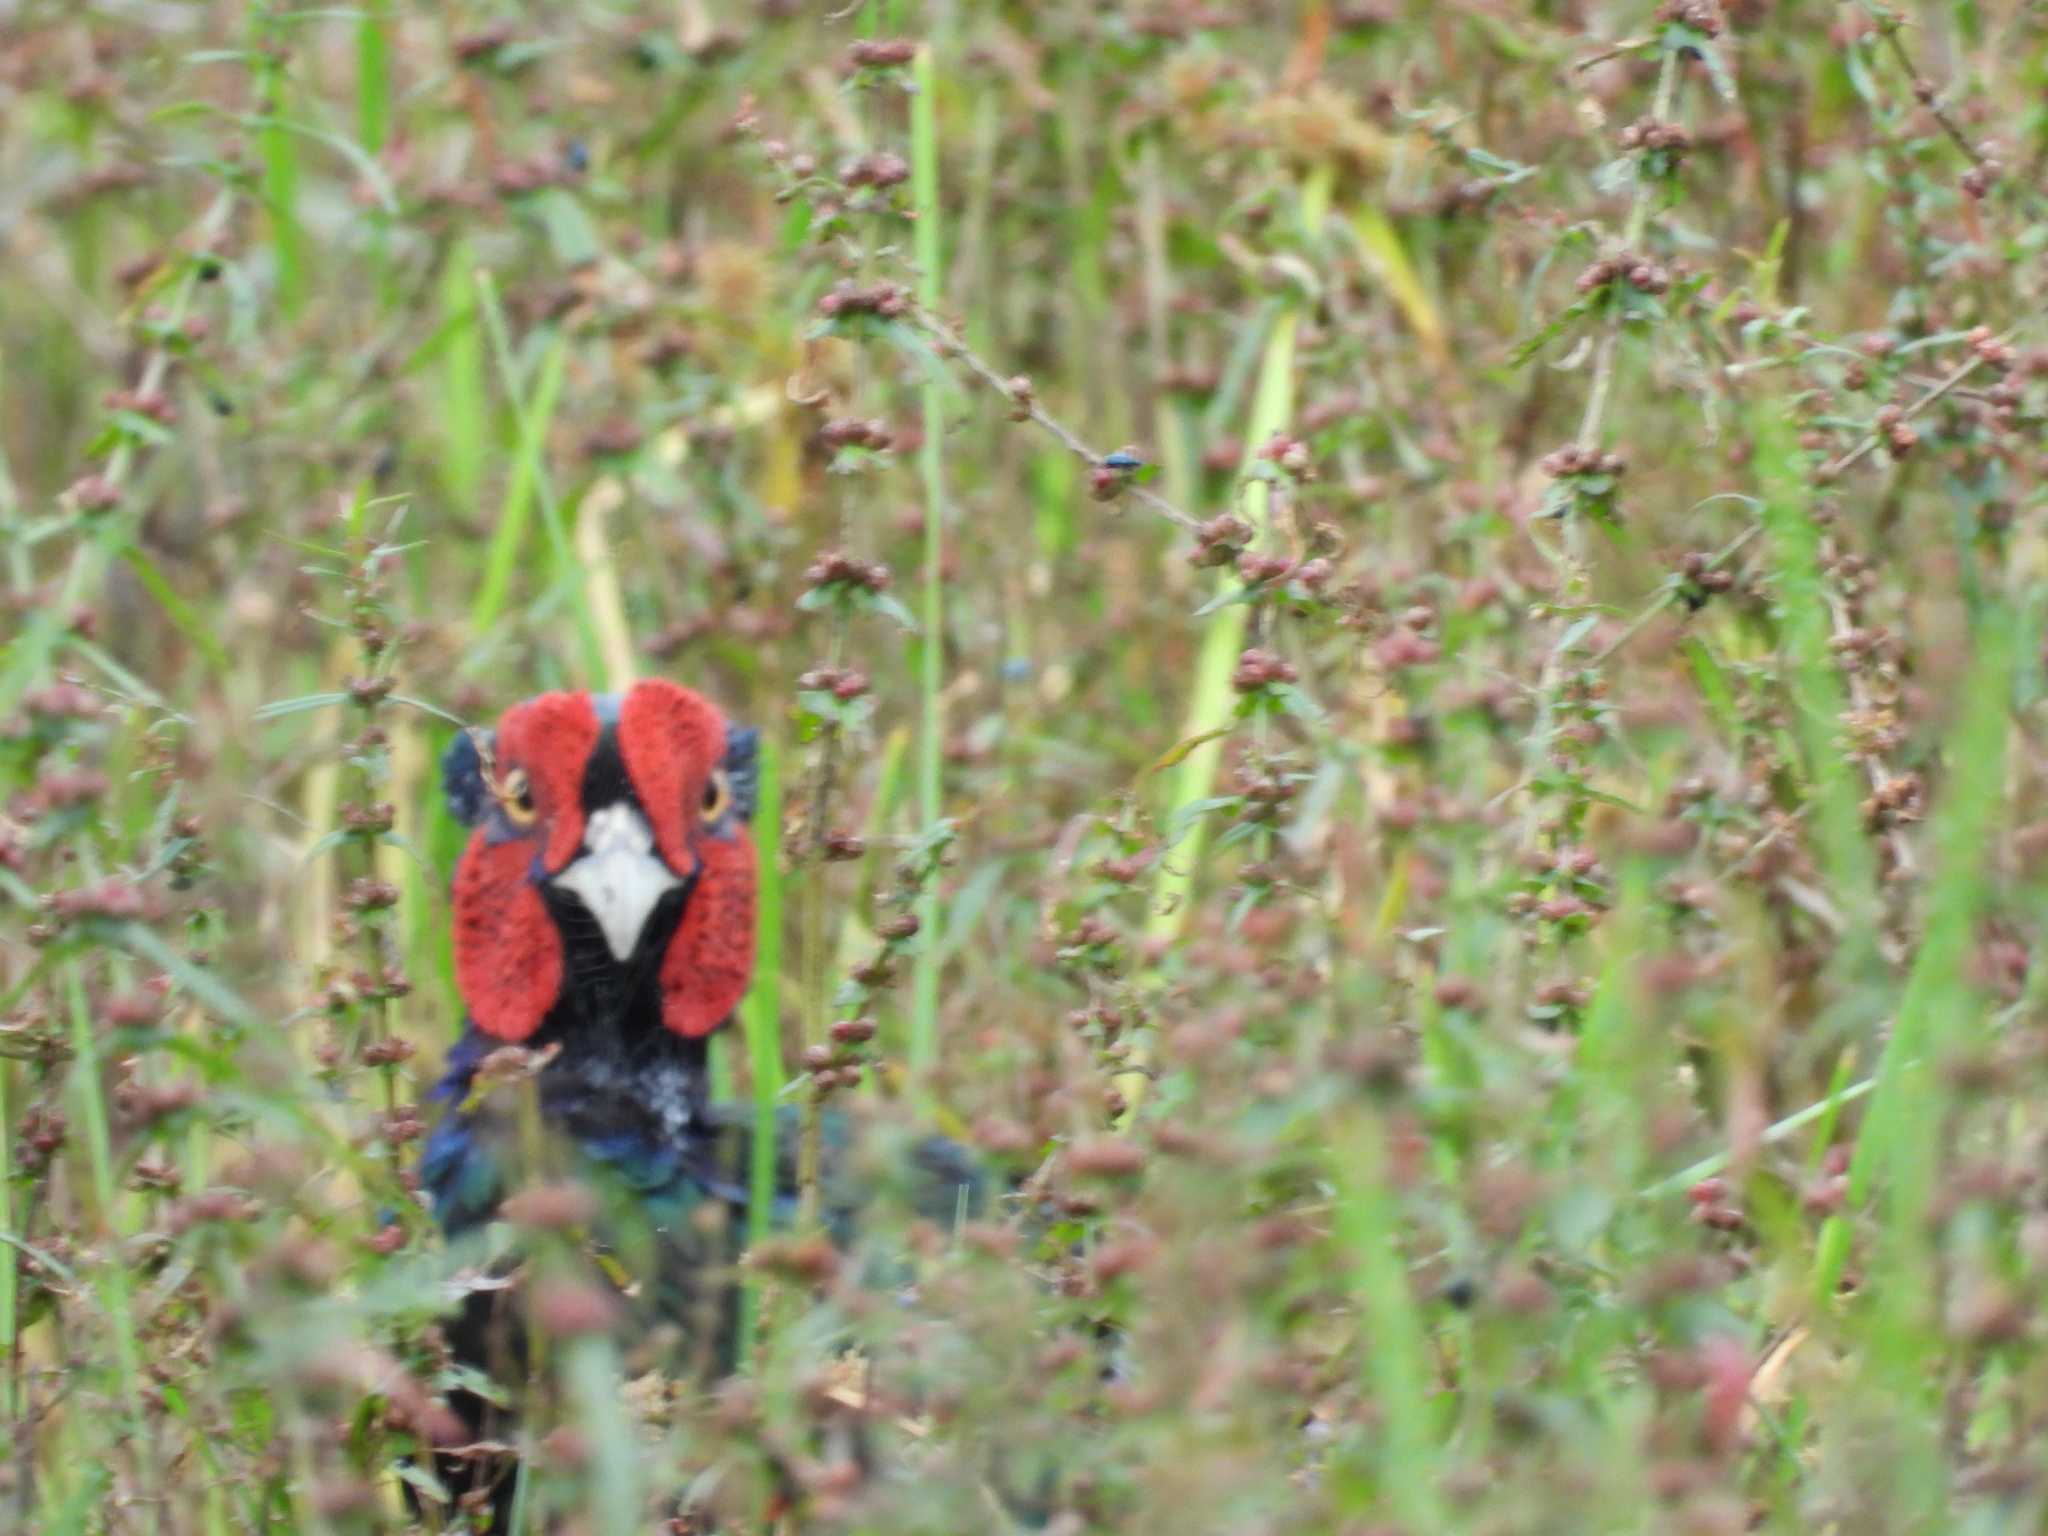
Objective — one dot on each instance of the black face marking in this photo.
(605, 781)
(600, 992)
(603, 995)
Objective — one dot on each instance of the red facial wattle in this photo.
(509, 956)
(549, 739)
(672, 741)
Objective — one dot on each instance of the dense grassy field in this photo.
(1489, 871)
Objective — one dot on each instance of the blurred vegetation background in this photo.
(1401, 645)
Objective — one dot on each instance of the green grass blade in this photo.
(761, 1018)
(1818, 699)
(112, 1272)
(616, 1482)
(463, 404)
(1209, 701)
(9, 1261)
(373, 76)
(517, 508)
(931, 643)
(1939, 1010)
(530, 485)
(176, 609)
(1368, 1220)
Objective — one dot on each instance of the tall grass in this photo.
(1502, 994)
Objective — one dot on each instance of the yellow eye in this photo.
(515, 794)
(717, 795)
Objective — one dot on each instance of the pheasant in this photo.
(604, 920)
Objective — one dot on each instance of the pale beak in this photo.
(618, 876)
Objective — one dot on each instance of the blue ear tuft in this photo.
(743, 767)
(462, 779)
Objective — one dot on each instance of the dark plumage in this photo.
(604, 914)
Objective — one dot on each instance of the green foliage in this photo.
(1397, 648)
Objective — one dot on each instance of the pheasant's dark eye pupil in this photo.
(711, 795)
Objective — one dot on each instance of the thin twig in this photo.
(1669, 595)
(1924, 90)
(1616, 51)
(951, 345)
(1963, 370)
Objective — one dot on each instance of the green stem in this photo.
(113, 1271)
(762, 1019)
(9, 1364)
(924, 161)
(1209, 705)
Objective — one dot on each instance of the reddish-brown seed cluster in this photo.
(517, 178)
(553, 1207)
(61, 789)
(1291, 454)
(1405, 646)
(902, 925)
(855, 432)
(1265, 789)
(92, 494)
(386, 1053)
(1712, 1205)
(612, 439)
(471, 47)
(1023, 397)
(1896, 801)
(208, 1207)
(1106, 1157)
(1574, 460)
(1990, 350)
(1255, 569)
(838, 1062)
(1702, 16)
(843, 300)
(369, 895)
(1458, 992)
(805, 1260)
(1219, 541)
(61, 701)
(836, 568)
(153, 403)
(1188, 379)
(369, 819)
(881, 52)
(843, 683)
(840, 847)
(43, 1132)
(114, 899)
(877, 169)
(142, 1103)
(569, 1309)
(1258, 669)
(1639, 272)
(1899, 435)
(1650, 133)
(1703, 579)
